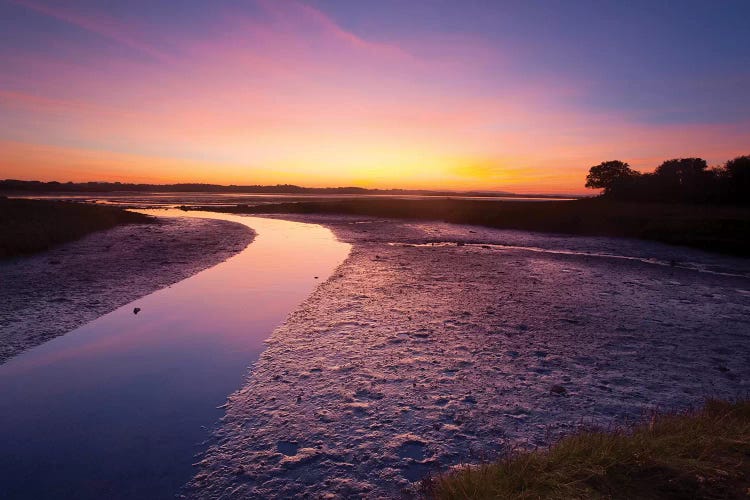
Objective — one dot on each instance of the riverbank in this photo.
(699, 454)
(29, 226)
(435, 345)
(712, 228)
(51, 293)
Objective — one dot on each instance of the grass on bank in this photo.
(722, 229)
(703, 454)
(28, 226)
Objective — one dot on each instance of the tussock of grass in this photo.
(701, 454)
(28, 226)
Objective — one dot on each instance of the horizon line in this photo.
(489, 192)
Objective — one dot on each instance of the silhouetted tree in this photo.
(683, 179)
(686, 180)
(737, 179)
(682, 171)
(610, 175)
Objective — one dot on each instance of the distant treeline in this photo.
(104, 187)
(11, 185)
(683, 180)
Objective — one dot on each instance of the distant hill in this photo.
(14, 186)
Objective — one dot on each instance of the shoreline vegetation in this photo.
(723, 229)
(679, 180)
(698, 454)
(682, 202)
(29, 226)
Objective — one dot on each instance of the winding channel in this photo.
(120, 407)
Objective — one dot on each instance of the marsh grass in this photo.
(699, 454)
(28, 226)
(724, 229)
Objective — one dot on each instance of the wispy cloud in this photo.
(101, 25)
(290, 10)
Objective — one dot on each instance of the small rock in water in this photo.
(559, 390)
(136, 310)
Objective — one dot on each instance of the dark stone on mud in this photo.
(559, 390)
(136, 310)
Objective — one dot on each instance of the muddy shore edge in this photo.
(53, 292)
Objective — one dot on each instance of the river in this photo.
(120, 407)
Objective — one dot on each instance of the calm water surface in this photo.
(119, 407)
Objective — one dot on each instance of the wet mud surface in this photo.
(434, 345)
(54, 292)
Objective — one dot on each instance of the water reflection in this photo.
(118, 408)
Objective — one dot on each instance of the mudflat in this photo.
(437, 344)
(53, 292)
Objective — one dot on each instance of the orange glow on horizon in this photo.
(85, 165)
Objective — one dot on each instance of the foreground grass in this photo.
(28, 226)
(714, 228)
(703, 454)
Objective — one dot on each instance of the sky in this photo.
(519, 96)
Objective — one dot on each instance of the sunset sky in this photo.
(520, 96)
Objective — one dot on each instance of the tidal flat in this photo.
(432, 345)
(51, 293)
(436, 344)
